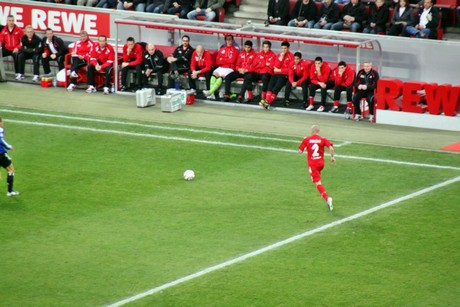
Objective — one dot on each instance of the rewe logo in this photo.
(61, 20)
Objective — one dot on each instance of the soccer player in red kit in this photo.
(314, 144)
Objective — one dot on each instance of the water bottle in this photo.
(177, 85)
(54, 82)
(112, 89)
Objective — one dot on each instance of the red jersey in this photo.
(203, 63)
(245, 60)
(264, 62)
(284, 63)
(301, 71)
(346, 79)
(11, 39)
(135, 57)
(83, 48)
(325, 73)
(314, 144)
(227, 56)
(103, 57)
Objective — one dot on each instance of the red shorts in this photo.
(315, 171)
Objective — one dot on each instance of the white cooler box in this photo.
(171, 103)
(145, 98)
(183, 94)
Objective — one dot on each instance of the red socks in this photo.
(322, 191)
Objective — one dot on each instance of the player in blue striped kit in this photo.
(5, 161)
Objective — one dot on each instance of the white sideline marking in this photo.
(282, 243)
(184, 139)
(163, 127)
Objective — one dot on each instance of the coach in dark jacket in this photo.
(31, 49)
(352, 17)
(54, 49)
(154, 63)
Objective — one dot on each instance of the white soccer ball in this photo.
(189, 174)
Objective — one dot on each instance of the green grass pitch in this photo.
(104, 214)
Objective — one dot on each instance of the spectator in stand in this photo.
(343, 77)
(10, 40)
(244, 65)
(32, 48)
(304, 14)
(137, 5)
(278, 12)
(102, 59)
(179, 61)
(225, 61)
(329, 14)
(206, 8)
(299, 75)
(181, 7)
(54, 49)
(81, 53)
(262, 70)
(403, 16)
(107, 4)
(132, 60)
(365, 84)
(87, 2)
(155, 6)
(352, 17)
(154, 63)
(283, 63)
(201, 65)
(377, 22)
(320, 74)
(426, 22)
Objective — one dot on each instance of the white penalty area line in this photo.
(247, 146)
(282, 243)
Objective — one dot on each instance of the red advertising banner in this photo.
(60, 19)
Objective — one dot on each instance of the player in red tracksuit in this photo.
(10, 41)
(283, 63)
(102, 59)
(201, 64)
(133, 57)
(226, 58)
(314, 145)
(299, 75)
(81, 53)
(343, 77)
(319, 79)
(261, 70)
(242, 67)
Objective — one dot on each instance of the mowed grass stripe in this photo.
(221, 143)
(284, 242)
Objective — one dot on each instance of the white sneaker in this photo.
(12, 193)
(329, 203)
(71, 87)
(16, 75)
(357, 118)
(48, 75)
(206, 93)
(73, 74)
(334, 109)
(20, 77)
(371, 118)
(91, 89)
(106, 90)
(36, 78)
(310, 107)
(192, 92)
(320, 109)
(211, 97)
